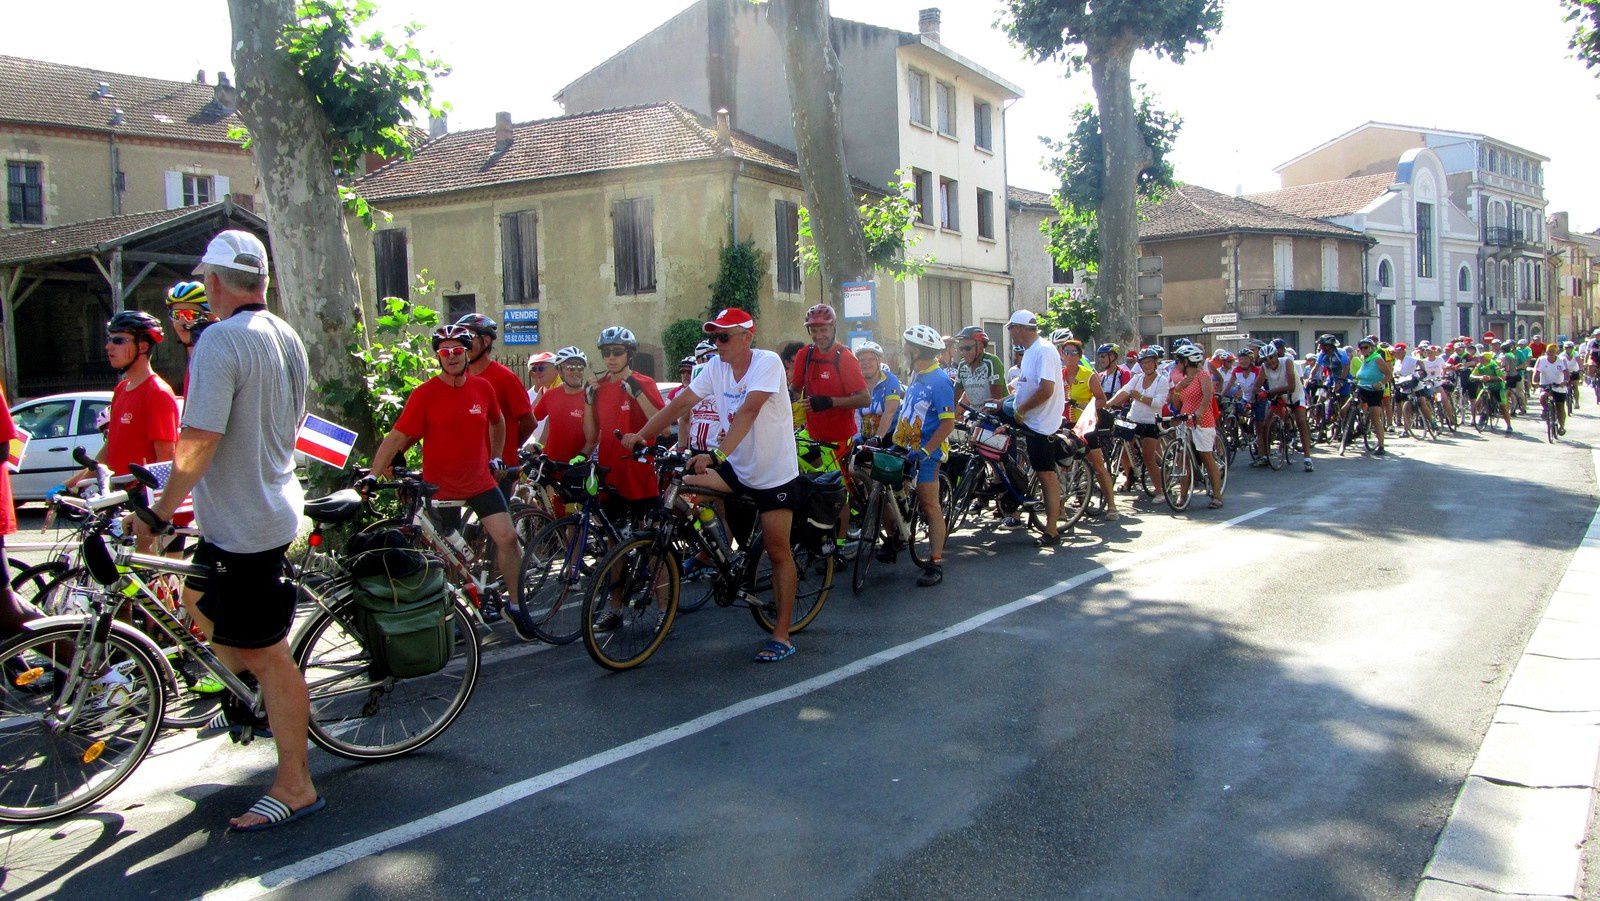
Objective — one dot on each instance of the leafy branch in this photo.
(888, 227)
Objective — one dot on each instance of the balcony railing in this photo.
(1273, 302)
(1509, 238)
(1507, 305)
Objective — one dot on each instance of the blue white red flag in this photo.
(325, 441)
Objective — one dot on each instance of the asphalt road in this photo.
(1278, 699)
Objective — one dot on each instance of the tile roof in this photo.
(1028, 198)
(20, 245)
(1326, 199)
(625, 137)
(1191, 211)
(44, 93)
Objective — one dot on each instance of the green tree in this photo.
(1102, 37)
(318, 91)
(1066, 311)
(887, 226)
(1585, 41)
(740, 268)
(679, 340)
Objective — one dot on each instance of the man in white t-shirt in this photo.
(755, 458)
(1040, 404)
(1550, 373)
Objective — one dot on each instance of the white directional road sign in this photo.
(1242, 336)
(1219, 318)
(1209, 329)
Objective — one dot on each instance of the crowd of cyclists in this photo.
(755, 426)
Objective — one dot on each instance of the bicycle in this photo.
(892, 483)
(558, 564)
(1548, 412)
(1489, 410)
(1353, 422)
(1281, 434)
(640, 580)
(75, 729)
(1181, 469)
(998, 471)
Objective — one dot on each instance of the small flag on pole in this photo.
(1086, 420)
(325, 442)
(163, 471)
(16, 449)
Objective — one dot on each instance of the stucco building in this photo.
(561, 227)
(1283, 275)
(910, 104)
(1498, 184)
(1423, 268)
(1035, 275)
(1574, 275)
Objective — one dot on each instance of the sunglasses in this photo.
(966, 347)
(572, 367)
(721, 337)
(185, 317)
(614, 352)
(539, 367)
(118, 340)
(446, 352)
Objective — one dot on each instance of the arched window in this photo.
(1464, 280)
(1385, 274)
(1505, 279)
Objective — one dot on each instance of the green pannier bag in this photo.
(405, 622)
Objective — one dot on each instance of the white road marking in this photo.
(334, 858)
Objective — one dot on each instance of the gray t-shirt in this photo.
(247, 380)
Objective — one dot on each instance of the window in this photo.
(1059, 276)
(519, 258)
(198, 189)
(389, 260)
(47, 420)
(633, 242)
(1537, 271)
(1464, 312)
(1505, 279)
(1283, 263)
(1464, 280)
(982, 125)
(944, 303)
(985, 214)
(922, 194)
(1385, 274)
(787, 216)
(1330, 266)
(917, 88)
(949, 198)
(1385, 322)
(1525, 280)
(25, 193)
(1424, 240)
(458, 305)
(944, 96)
(88, 411)
(1423, 319)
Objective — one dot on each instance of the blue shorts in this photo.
(928, 471)
(1258, 410)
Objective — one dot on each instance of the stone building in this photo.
(1574, 273)
(1034, 272)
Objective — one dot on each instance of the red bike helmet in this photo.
(821, 314)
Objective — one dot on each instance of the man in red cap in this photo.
(543, 376)
(755, 458)
(829, 377)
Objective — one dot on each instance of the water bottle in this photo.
(705, 522)
(454, 539)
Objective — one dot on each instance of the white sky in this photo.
(1282, 77)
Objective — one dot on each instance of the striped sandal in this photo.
(277, 813)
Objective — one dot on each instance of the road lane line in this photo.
(350, 852)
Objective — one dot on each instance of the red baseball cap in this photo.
(1398, 347)
(541, 357)
(1488, 336)
(730, 318)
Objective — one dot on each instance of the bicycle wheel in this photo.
(1369, 433)
(1222, 474)
(1177, 475)
(53, 768)
(813, 584)
(639, 583)
(529, 521)
(556, 571)
(871, 537)
(1277, 445)
(359, 717)
(1077, 488)
(28, 582)
(1550, 422)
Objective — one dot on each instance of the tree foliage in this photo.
(740, 268)
(1070, 30)
(887, 225)
(679, 340)
(1066, 311)
(1585, 41)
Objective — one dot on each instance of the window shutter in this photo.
(174, 189)
(622, 245)
(222, 187)
(510, 266)
(528, 243)
(645, 216)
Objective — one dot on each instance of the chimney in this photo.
(438, 126)
(102, 91)
(928, 23)
(200, 77)
(225, 96)
(1560, 224)
(724, 129)
(502, 132)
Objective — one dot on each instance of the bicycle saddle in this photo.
(340, 506)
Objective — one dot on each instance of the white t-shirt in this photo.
(1551, 373)
(766, 458)
(1041, 363)
(706, 422)
(1434, 367)
(1157, 390)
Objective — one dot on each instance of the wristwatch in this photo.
(718, 455)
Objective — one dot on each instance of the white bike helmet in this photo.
(871, 347)
(616, 334)
(568, 354)
(924, 336)
(1195, 355)
(1060, 335)
(703, 348)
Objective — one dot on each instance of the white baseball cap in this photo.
(235, 249)
(1024, 318)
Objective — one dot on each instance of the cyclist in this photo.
(828, 376)
(1550, 373)
(236, 454)
(757, 457)
(143, 424)
(1491, 378)
(1574, 370)
(1037, 409)
(1372, 371)
(457, 418)
(542, 376)
(563, 410)
(1281, 381)
(1144, 396)
(928, 416)
(513, 401)
(1525, 359)
(622, 400)
(1191, 395)
(14, 611)
(878, 416)
(190, 313)
(701, 428)
(1407, 382)
(1435, 370)
(1079, 384)
(980, 376)
(1219, 365)
(1107, 380)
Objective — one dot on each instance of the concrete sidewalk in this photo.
(1519, 824)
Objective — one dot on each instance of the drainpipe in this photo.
(113, 154)
(733, 220)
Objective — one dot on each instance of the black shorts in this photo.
(1513, 381)
(1372, 397)
(245, 596)
(1041, 451)
(766, 500)
(484, 505)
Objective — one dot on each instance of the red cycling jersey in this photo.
(453, 423)
(617, 410)
(140, 416)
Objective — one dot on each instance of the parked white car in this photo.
(58, 424)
